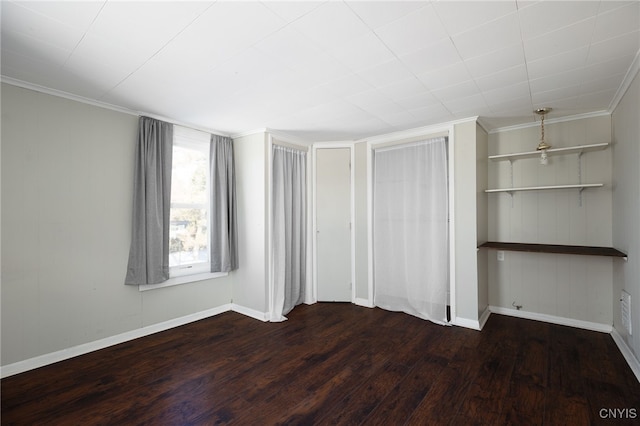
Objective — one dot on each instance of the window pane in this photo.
(189, 175)
(189, 236)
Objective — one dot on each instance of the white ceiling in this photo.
(327, 70)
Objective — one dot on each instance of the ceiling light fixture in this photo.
(543, 145)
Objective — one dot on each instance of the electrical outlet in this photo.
(500, 255)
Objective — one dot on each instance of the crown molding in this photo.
(483, 125)
(93, 102)
(626, 82)
(262, 130)
(59, 93)
(418, 131)
(550, 121)
(286, 137)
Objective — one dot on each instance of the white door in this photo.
(333, 224)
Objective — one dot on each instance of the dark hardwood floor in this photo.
(335, 364)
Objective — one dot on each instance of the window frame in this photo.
(200, 271)
(196, 140)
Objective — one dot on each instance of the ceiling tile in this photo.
(347, 85)
(609, 5)
(432, 114)
(292, 10)
(322, 68)
(292, 47)
(461, 16)
(214, 37)
(413, 32)
(362, 52)
(437, 55)
(103, 52)
(563, 40)
(550, 65)
(447, 76)
(25, 22)
(493, 62)
(467, 106)
(608, 83)
(402, 118)
(378, 13)
(326, 69)
(370, 97)
(506, 94)
(617, 21)
(507, 77)
(421, 100)
(596, 101)
(79, 15)
(344, 25)
(28, 47)
(460, 90)
(624, 45)
(544, 17)
(551, 82)
(403, 89)
(488, 37)
(126, 23)
(513, 108)
(385, 74)
(549, 97)
(27, 69)
(606, 68)
(382, 109)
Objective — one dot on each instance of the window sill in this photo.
(184, 279)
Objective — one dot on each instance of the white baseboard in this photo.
(61, 355)
(631, 359)
(466, 323)
(593, 326)
(484, 317)
(252, 313)
(363, 302)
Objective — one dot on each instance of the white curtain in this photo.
(410, 229)
(289, 228)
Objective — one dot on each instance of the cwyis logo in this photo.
(618, 413)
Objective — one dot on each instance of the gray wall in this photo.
(568, 286)
(466, 257)
(362, 234)
(250, 280)
(626, 209)
(67, 179)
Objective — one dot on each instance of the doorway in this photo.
(333, 223)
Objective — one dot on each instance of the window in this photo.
(189, 236)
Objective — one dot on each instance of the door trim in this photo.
(399, 139)
(352, 203)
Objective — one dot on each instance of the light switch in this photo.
(500, 255)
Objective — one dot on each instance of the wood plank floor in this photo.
(334, 364)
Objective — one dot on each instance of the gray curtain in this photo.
(149, 252)
(224, 232)
(289, 230)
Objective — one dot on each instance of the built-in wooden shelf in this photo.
(554, 248)
(551, 151)
(580, 186)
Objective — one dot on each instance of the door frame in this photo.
(314, 152)
(401, 138)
